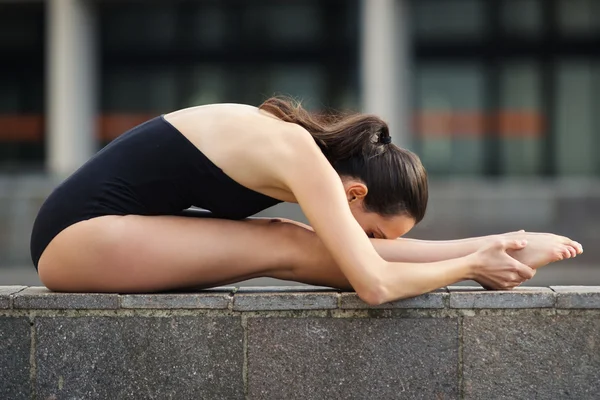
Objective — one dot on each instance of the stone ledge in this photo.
(284, 298)
(522, 297)
(577, 296)
(435, 299)
(6, 295)
(216, 299)
(38, 297)
(300, 298)
(246, 347)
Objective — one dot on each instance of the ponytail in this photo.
(338, 136)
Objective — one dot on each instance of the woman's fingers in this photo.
(524, 271)
(513, 244)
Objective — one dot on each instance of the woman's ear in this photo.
(355, 190)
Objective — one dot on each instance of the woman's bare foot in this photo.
(496, 269)
(543, 248)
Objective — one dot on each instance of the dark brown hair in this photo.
(358, 146)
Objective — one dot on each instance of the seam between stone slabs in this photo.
(7, 293)
(446, 299)
(32, 360)
(244, 322)
(230, 302)
(461, 391)
(11, 298)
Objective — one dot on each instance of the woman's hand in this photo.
(496, 269)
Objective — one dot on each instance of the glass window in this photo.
(127, 26)
(284, 22)
(522, 17)
(520, 124)
(133, 90)
(210, 26)
(304, 82)
(450, 118)
(21, 85)
(519, 112)
(449, 20)
(226, 51)
(577, 17)
(20, 25)
(207, 84)
(577, 84)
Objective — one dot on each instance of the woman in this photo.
(118, 225)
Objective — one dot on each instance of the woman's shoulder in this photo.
(229, 132)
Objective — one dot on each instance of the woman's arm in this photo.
(419, 251)
(542, 248)
(302, 168)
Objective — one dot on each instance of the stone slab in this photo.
(521, 297)
(229, 289)
(433, 299)
(285, 289)
(349, 358)
(39, 297)
(524, 357)
(271, 301)
(214, 300)
(6, 293)
(139, 358)
(577, 296)
(15, 344)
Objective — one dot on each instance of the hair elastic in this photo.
(385, 139)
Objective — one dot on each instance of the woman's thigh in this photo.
(152, 253)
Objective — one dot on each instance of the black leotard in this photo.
(151, 169)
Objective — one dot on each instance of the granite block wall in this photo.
(300, 343)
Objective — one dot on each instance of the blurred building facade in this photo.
(501, 99)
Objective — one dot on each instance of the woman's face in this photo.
(374, 225)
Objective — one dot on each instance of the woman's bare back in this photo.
(241, 140)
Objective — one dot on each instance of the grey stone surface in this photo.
(229, 289)
(577, 296)
(41, 298)
(139, 358)
(521, 297)
(434, 299)
(509, 357)
(284, 301)
(345, 358)
(208, 300)
(285, 289)
(15, 344)
(5, 294)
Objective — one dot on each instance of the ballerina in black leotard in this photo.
(120, 223)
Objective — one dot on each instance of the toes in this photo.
(573, 251)
(577, 246)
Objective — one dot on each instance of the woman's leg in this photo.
(153, 253)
